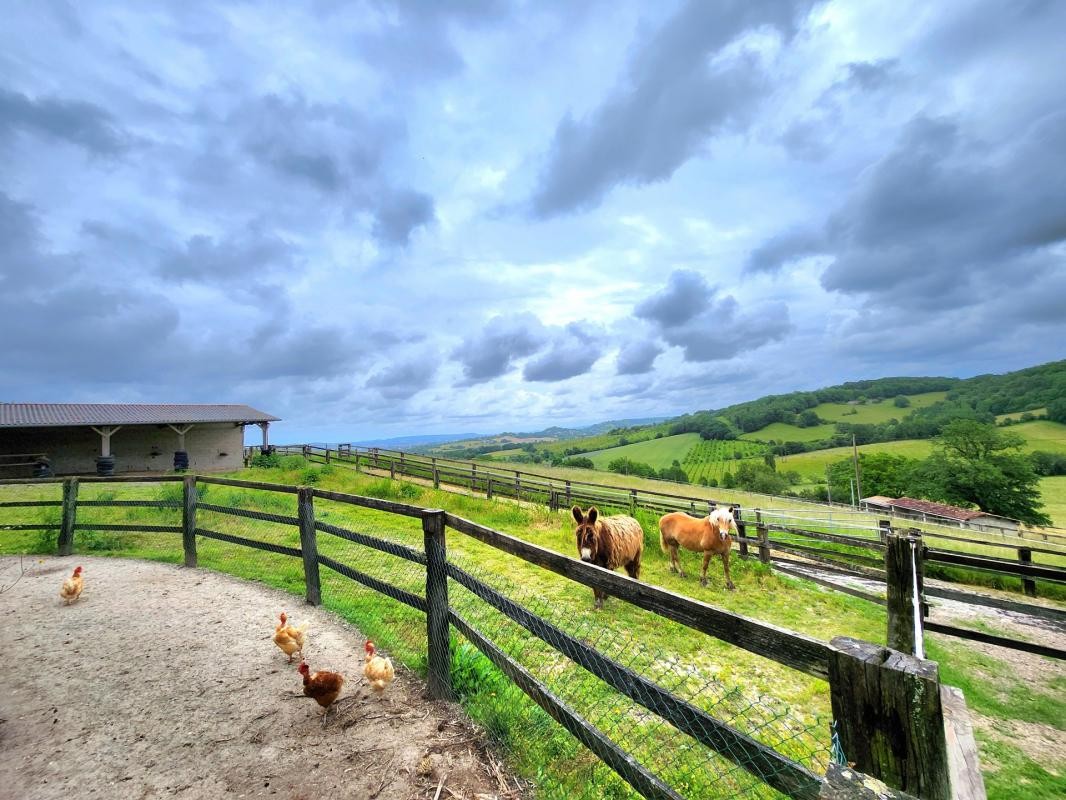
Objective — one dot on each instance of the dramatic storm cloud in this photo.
(397, 217)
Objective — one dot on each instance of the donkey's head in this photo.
(588, 537)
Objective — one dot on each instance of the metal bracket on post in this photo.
(438, 629)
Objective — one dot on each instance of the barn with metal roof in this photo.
(81, 438)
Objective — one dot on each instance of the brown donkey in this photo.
(609, 542)
(709, 536)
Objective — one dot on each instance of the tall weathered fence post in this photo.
(632, 501)
(764, 538)
(1025, 556)
(70, 513)
(884, 527)
(488, 488)
(569, 501)
(437, 628)
(903, 568)
(889, 717)
(327, 455)
(742, 529)
(188, 519)
(305, 513)
(392, 467)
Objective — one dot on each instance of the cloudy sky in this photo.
(383, 218)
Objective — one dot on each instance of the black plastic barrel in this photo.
(181, 460)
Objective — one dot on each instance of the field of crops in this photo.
(781, 432)
(872, 413)
(659, 453)
(712, 459)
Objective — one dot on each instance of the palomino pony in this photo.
(709, 536)
(609, 542)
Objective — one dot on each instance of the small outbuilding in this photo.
(928, 511)
(81, 438)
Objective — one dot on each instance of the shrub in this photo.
(266, 461)
(582, 462)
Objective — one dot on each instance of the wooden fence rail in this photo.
(855, 704)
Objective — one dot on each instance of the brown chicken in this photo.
(377, 670)
(72, 586)
(324, 687)
(290, 638)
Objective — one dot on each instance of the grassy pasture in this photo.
(659, 453)
(782, 432)
(812, 465)
(1036, 412)
(1042, 434)
(749, 691)
(1053, 494)
(880, 411)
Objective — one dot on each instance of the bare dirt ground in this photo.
(164, 682)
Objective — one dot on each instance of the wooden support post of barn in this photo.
(305, 512)
(1025, 556)
(742, 530)
(904, 584)
(764, 538)
(437, 613)
(188, 519)
(70, 512)
(889, 717)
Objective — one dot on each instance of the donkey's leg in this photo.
(725, 566)
(599, 598)
(703, 572)
(633, 568)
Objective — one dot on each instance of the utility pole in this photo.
(855, 457)
(828, 485)
(852, 482)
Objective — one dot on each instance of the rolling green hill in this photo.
(783, 432)
(659, 453)
(1042, 435)
(812, 465)
(873, 413)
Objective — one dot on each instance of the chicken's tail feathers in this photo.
(378, 686)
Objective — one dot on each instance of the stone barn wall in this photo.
(136, 448)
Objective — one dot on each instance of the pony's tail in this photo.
(662, 540)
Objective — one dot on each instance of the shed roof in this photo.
(937, 509)
(39, 415)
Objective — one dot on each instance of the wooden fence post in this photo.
(392, 468)
(569, 501)
(327, 455)
(70, 513)
(889, 717)
(903, 563)
(764, 538)
(305, 512)
(188, 519)
(1025, 556)
(632, 501)
(488, 488)
(436, 475)
(439, 676)
(742, 528)
(517, 487)
(357, 461)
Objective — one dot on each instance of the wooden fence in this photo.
(892, 714)
(859, 553)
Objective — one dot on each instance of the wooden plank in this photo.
(985, 543)
(627, 767)
(385, 546)
(886, 706)
(439, 674)
(792, 649)
(131, 503)
(852, 541)
(967, 783)
(832, 562)
(30, 527)
(270, 547)
(404, 509)
(825, 552)
(1044, 612)
(99, 526)
(830, 585)
(763, 762)
(30, 503)
(266, 487)
(305, 510)
(1001, 641)
(387, 589)
(1038, 571)
(248, 513)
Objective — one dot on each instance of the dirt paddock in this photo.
(164, 682)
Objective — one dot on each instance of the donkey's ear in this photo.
(593, 513)
(576, 511)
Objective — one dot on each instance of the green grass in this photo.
(1053, 495)
(1036, 412)
(750, 691)
(782, 432)
(659, 453)
(1042, 435)
(880, 411)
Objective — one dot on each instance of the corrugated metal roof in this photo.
(38, 415)
(937, 509)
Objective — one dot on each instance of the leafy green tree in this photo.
(979, 464)
(674, 473)
(901, 401)
(1056, 410)
(627, 466)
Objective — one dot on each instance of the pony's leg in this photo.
(675, 562)
(703, 572)
(725, 566)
